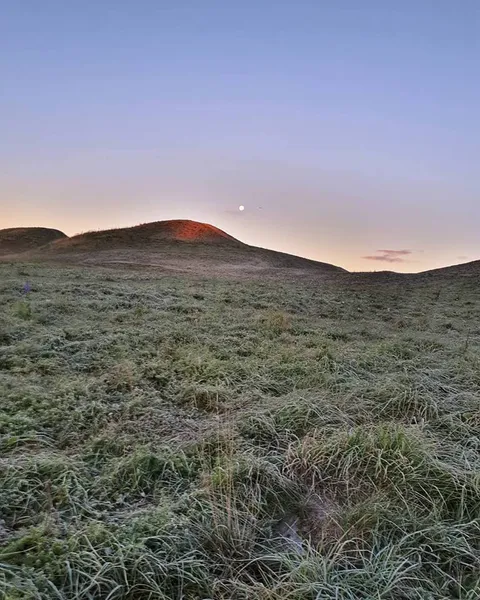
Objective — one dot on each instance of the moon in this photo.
(241, 208)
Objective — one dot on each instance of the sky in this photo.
(349, 130)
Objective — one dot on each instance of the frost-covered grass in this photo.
(183, 438)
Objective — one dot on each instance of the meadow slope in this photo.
(183, 437)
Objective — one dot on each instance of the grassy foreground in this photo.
(176, 438)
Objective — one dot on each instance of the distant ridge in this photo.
(23, 239)
(469, 268)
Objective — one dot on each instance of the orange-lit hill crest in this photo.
(180, 230)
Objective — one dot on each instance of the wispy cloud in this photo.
(396, 252)
(390, 256)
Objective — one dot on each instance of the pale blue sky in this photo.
(354, 125)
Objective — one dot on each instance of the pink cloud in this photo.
(391, 256)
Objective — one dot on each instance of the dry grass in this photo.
(181, 437)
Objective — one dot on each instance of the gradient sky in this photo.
(348, 129)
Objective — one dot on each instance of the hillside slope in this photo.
(23, 239)
(179, 245)
(463, 269)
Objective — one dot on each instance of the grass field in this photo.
(173, 437)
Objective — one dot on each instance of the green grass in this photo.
(160, 434)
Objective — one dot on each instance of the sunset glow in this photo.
(351, 126)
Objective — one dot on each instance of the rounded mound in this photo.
(149, 234)
(185, 231)
(23, 239)
(177, 246)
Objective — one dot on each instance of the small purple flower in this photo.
(27, 288)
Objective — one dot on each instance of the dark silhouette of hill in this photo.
(463, 269)
(469, 270)
(174, 245)
(22, 239)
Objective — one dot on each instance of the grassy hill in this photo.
(183, 436)
(177, 246)
(24, 239)
(148, 234)
(183, 246)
